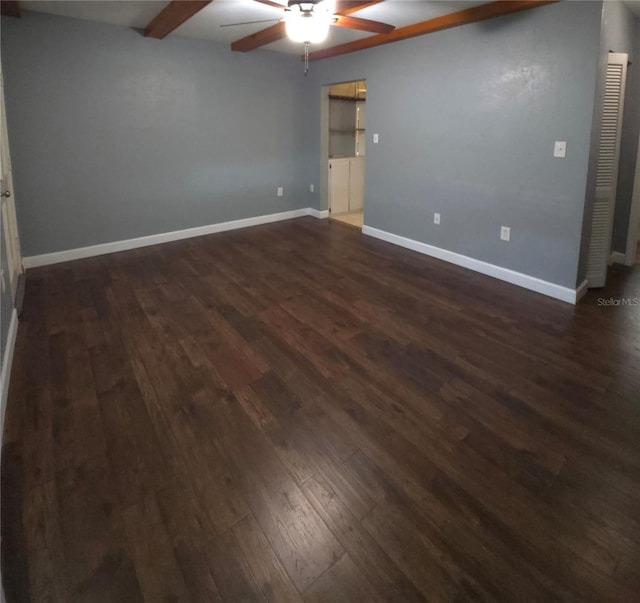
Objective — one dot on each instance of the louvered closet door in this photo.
(607, 175)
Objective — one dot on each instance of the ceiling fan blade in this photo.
(248, 22)
(270, 3)
(265, 36)
(278, 31)
(346, 7)
(363, 24)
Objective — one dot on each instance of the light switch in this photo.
(560, 148)
(436, 218)
(280, 192)
(375, 139)
(505, 233)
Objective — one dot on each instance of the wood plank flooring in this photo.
(295, 412)
(354, 218)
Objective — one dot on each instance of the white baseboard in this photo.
(617, 257)
(7, 363)
(582, 290)
(86, 252)
(504, 274)
(319, 213)
(517, 278)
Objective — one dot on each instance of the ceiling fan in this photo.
(308, 21)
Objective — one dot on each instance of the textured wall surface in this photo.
(115, 136)
(467, 121)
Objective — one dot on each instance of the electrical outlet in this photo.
(505, 233)
(312, 188)
(280, 192)
(560, 148)
(436, 218)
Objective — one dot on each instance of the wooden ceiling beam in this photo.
(462, 17)
(271, 3)
(173, 16)
(363, 24)
(9, 8)
(264, 36)
(346, 7)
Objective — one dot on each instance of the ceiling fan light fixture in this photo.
(308, 23)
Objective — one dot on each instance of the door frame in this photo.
(324, 141)
(11, 236)
(633, 234)
(324, 148)
(597, 277)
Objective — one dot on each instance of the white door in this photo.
(607, 174)
(338, 186)
(9, 223)
(356, 183)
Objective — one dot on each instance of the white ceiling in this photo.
(206, 23)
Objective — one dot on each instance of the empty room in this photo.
(326, 301)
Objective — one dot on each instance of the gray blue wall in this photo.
(467, 120)
(115, 136)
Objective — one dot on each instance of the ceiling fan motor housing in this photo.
(304, 5)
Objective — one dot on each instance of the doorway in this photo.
(632, 256)
(607, 170)
(10, 244)
(346, 151)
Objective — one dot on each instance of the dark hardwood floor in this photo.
(297, 412)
